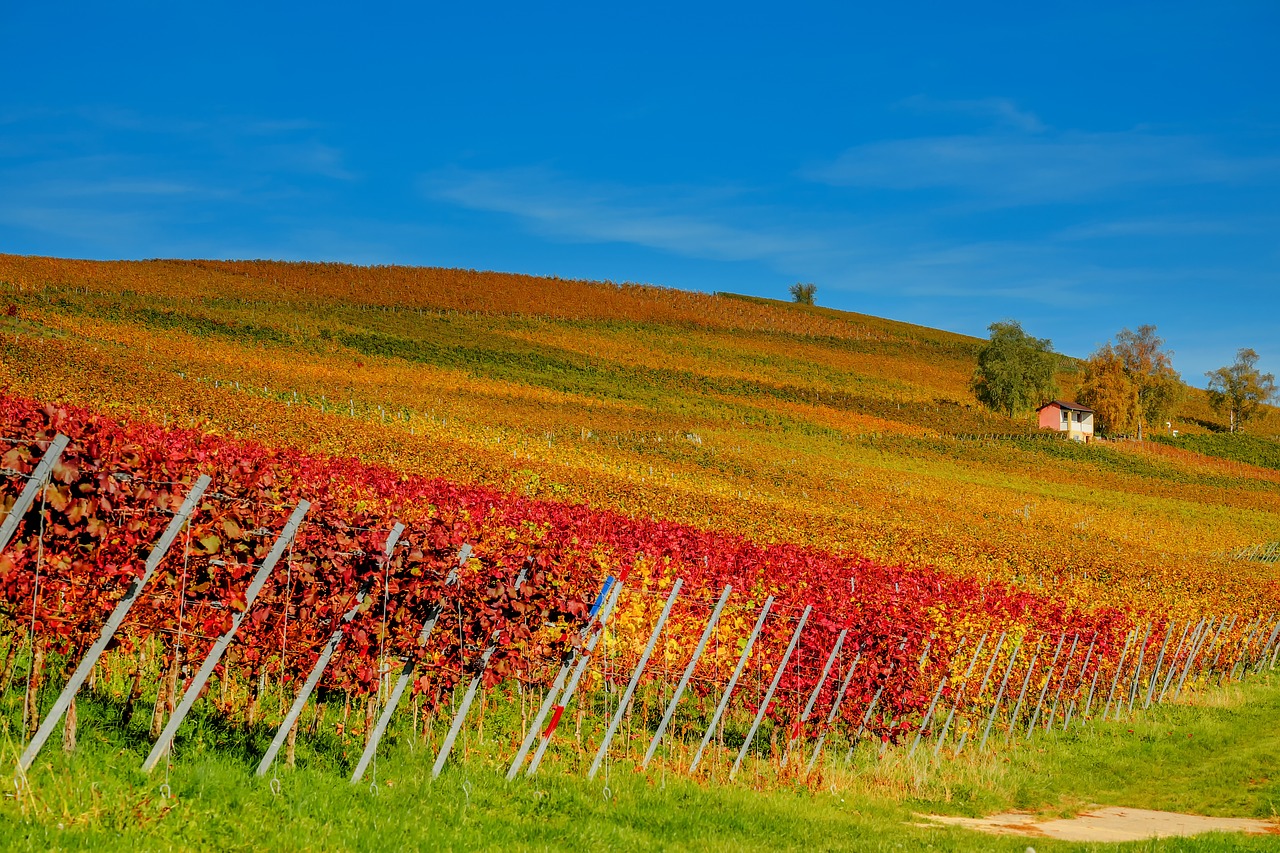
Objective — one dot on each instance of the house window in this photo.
(1066, 417)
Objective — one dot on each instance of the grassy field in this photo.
(1215, 756)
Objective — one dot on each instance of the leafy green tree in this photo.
(803, 292)
(1241, 389)
(1150, 368)
(1108, 390)
(1015, 370)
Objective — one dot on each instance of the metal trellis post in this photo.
(318, 669)
(113, 623)
(1062, 682)
(1155, 673)
(835, 709)
(161, 746)
(1022, 695)
(27, 496)
(688, 673)
(995, 656)
(813, 697)
(558, 683)
(733, 680)
(1075, 691)
(1035, 716)
(579, 669)
(1115, 679)
(625, 701)
(866, 718)
(773, 686)
(995, 706)
(406, 674)
(470, 695)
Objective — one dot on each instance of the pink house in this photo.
(1072, 418)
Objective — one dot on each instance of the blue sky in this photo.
(1078, 169)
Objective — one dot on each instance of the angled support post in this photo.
(955, 703)
(579, 669)
(1035, 716)
(1137, 672)
(406, 674)
(1093, 685)
(113, 623)
(871, 707)
(1196, 645)
(1224, 636)
(1115, 680)
(1265, 653)
(625, 701)
(1207, 642)
(995, 706)
(688, 673)
(1075, 691)
(977, 696)
(1173, 661)
(161, 746)
(813, 697)
(1062, 682)
(557, 685)
(831, 715)
(1022, 695)
(322, 662)
(733, 681)
(470, 695)
(773, 686)
(1155, 673)
(35, 483)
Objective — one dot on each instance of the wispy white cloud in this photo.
(847, 253)
(309, 157)
(1018, 169)
(691, 222)
(1002, 111)
(1155, 227)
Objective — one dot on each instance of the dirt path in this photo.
(1109, 824)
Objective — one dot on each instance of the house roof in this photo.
(1066, 404)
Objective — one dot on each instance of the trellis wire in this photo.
(625, 701)
(113, 623)
(406, 674)
(161, 746)
(688, 673)
(313, 678)
(733, 681)
(768, 696)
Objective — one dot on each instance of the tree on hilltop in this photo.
(1241, 389)
(1149, 367)
(803, 292)
(1132, 383)
(1108, 390)
(1015, 370)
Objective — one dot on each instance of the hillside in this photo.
(782, 423)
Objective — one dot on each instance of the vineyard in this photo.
(371, 564)
(699, 533)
